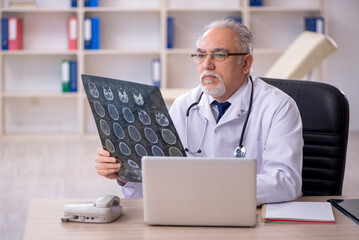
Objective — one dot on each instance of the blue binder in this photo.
(91, 3)
(314, 24)
(73, 76)
(73, 3)
(4, 34)
(95, 30)
(256, 3)
(170, 32)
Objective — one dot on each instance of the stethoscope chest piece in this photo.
(239, 152)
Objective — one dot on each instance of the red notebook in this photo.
(298, 212)
(15, 33)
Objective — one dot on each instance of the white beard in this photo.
(215, 91)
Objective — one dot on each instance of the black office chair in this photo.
(325, 116)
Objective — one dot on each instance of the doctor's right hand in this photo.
(107, 166)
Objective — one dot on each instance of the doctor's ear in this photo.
(247, 63)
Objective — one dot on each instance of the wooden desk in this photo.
(44, 223)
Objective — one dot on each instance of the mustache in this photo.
(209, 73)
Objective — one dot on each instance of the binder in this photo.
(170, 32)
(156, 72)
(314, 24)
(15, 34)
(73, 3)
(95, 33)
(4, 34)
(65, 75)
(256, 3)
(73, 76)
(87, 33)
(72, 33)
(91, 3)
(92, 33)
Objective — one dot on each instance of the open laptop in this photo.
(199, 191)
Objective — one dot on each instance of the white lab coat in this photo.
(273, 137)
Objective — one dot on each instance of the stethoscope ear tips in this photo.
(186, 149)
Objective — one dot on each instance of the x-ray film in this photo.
(132, 121)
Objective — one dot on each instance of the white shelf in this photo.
(39, 10)
(284, 9)
(118, 10)
(133, 33)
(121, 52)
(39, 52)
(204, 9)
(45, 95)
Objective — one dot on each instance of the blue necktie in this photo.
(222, 107)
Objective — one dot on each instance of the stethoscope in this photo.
(240, 150)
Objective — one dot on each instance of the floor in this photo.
(64, 167)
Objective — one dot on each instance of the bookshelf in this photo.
(31, 100)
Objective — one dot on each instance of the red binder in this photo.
(15, 33)
(72, 33)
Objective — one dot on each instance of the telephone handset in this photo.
(104, 209)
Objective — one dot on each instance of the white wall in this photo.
(343, 65)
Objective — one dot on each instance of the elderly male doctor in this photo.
(237, 115)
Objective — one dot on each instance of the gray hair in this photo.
(244, 39)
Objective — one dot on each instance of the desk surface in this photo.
(44, 223)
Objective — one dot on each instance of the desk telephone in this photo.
(104, 209)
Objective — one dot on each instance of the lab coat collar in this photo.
(205, 108)
(239, 105)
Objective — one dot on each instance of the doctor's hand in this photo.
(106, 166)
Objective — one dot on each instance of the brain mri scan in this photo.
(122, 94)
(107, 92)
(132, 123)
(93, 90)
(137, 96)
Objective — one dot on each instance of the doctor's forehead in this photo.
(212, 50)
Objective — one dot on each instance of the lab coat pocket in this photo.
(255, 150)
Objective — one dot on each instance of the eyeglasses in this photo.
(217, 56)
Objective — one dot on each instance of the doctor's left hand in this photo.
(106, 165)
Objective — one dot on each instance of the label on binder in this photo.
(87, 33)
